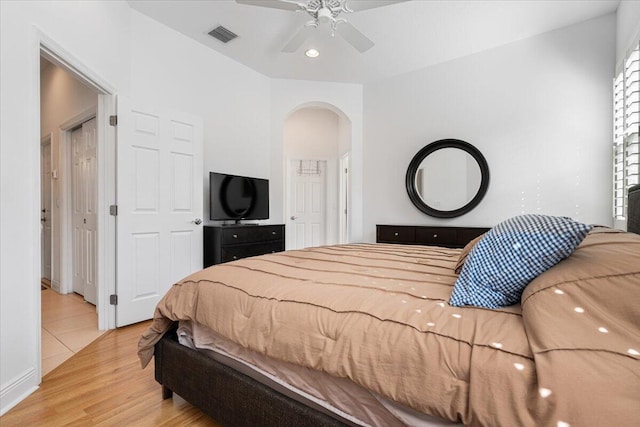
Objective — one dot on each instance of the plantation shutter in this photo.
(626, 131)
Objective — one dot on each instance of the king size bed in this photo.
(370, 334)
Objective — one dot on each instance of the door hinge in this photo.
(113, 299)
(113, 120)
(113, 210)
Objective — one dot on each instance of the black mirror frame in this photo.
(412, 170)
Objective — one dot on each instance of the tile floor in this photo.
(68, 325)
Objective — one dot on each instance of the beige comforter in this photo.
(378, 315)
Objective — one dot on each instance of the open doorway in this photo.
(317, 144)
(68, 172)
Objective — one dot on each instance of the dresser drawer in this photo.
(449, 237)
(232, 253)
(228, 243)
(466, 235)
(251, 234)
(396, 234)
(436, 236)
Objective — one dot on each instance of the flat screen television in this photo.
(238, 197)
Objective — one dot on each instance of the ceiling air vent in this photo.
(222, 34)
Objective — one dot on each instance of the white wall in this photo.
(62, 97)
(172, 70)
(96, 33)
(627, 27)
(311, 133)
(538, 109)
(344, 99)
(139, 59)
(344, 135)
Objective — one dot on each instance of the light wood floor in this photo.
(103, 385)
(68, 325)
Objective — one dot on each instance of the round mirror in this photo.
(447, 178)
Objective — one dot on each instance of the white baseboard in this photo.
(55, 285)
(17, 390)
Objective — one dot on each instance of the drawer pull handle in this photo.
(396, 234)
(273, 232)
(235, 236)
(435, 235)
(235, 257)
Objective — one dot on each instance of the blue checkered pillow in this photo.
(511, 255)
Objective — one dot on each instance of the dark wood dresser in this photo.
(448, 237)
(232, 242)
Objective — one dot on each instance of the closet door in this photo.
(84, 189)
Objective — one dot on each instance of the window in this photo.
(626, 126)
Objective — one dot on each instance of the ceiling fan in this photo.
(323, 12)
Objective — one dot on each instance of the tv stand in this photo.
(230, 242)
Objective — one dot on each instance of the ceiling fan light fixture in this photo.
(324, 15)
(312, 53)
(322, 12)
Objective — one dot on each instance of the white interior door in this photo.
(77, 219)
(84, 217)
(159, 187)
(45, 209)
(307, 204)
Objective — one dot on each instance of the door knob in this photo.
(197, 221)
(293, 218)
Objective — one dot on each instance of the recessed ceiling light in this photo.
(312, 53)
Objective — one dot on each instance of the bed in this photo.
(363, 334)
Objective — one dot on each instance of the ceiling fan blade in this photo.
(354, 37)
(273, 4)
(299, 38)
(370, 4)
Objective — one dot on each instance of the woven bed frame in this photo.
(228, 396)
(633, 209)
(234, 399)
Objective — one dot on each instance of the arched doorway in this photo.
(317, 147)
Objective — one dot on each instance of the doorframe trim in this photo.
(47, 47)
(344, 184)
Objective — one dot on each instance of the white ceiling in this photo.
(408, 35)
